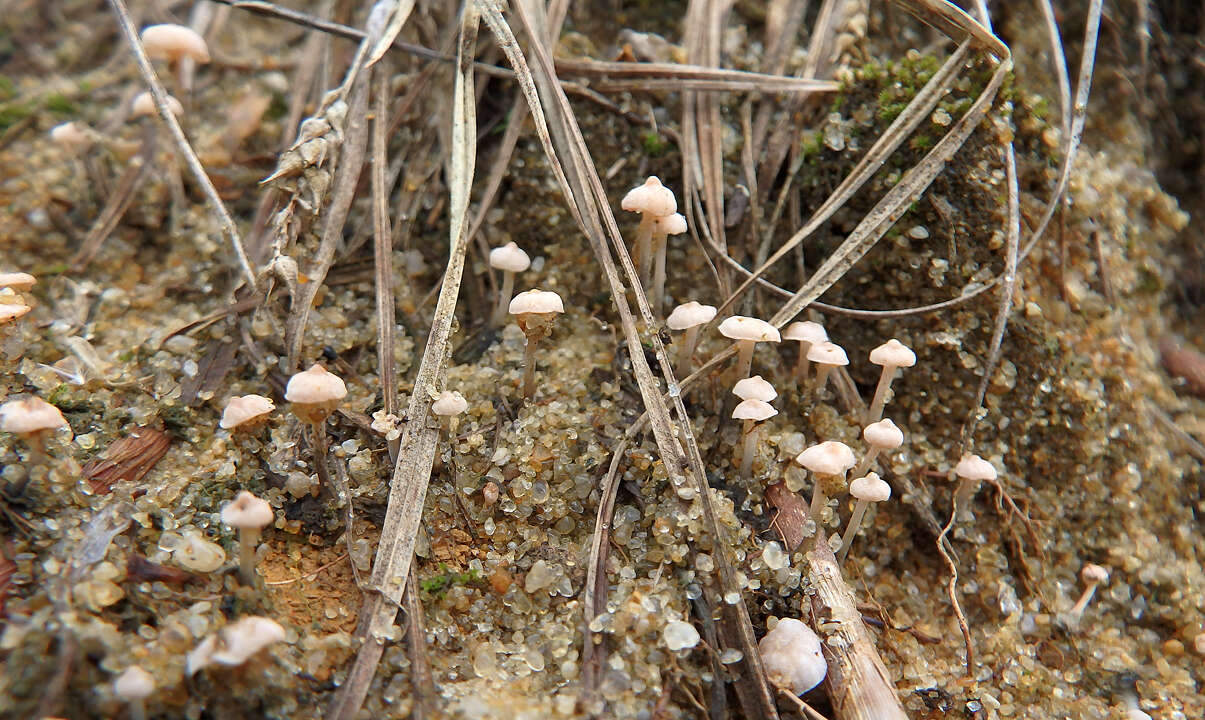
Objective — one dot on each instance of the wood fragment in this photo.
(129, 458)
(212, 369)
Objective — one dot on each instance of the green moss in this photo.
(653, 144)
(61, 105)
(439, 584)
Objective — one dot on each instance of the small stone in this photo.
(680, 635)
(539, 577)
(774, 557)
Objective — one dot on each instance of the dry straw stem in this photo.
(408, 487)
(173, 126)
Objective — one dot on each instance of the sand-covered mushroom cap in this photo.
(449, 402)
(756, 410)
(883, 434)
(315, 385)
(173, 42)
(652, 197)
(740, 327)
(134, 684)
(17, 280)
(247, 511)
(688, 315)
(538, 302)
(870, 487)
(973, 467)
(1093, 574)
(805, 331)
(792, 657)
(12, 311)
(674, 224)
(235, 644)
(71, 135)
(894, 353)
(830, 457)
(828, 353)
(30, 415)
(245, 410)
(510, 257)
(754, 388)
(144, 105)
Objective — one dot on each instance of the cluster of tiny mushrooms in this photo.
(790, 650)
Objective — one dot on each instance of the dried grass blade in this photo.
(397, 18)
(408, 487)
(382, 253)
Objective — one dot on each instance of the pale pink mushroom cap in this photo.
(449, 402)
(172, 42)
(1093, 574)
(17, 280)
(10, 312)
(883, 435)
(30, 415)
(536, 301)
(510, 257)
(247, 512)
(805, 331)
(235, 643)
(245, 409)
(72, 136)
(315, 385)
(134, 684)
(754, 388)
(754, 410)
(828, 458)
(671, 224)
(870, 488)
(144, 105)
(688, 315)
(828, 353)
(973, 467)
(739, 327)
(652, 197)
(893, 353)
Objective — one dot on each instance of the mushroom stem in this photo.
(819, 499)
(875, 412)
(963, 495)
(866, 463)
(1086, 597)
(687, 352)
(248, 538)
(749, 432)
(822, 373)
(644, 237)
(660, 241)
(851, 530)
(504, 295)
(744, 360)
(318, 439)
(529, 369)
(802, 364)
(138, 709)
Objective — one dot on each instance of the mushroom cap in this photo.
(973, 467)
(791, 655)
(245, 409)
(245, 637)
(739, 327)
(827, 353)
(449, 402)
(71, 135)
(315, 385)
(247, 512)
(30, 415)
(1093, 574)
(870, 487)
(754, 410)
(805, 331)
(510, 257)
(828, 458)
(893, 353)
(17, 280)
(754, 388)
(172, 42)
(652, 198)
(144, 104)
(9, 312)
(670, 224)
(883, 434)
(689, 314)
(536, 301)
(134, 684)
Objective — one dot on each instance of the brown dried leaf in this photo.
(139, 569)
(129, 458)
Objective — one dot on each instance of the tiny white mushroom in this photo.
(807, 334)
(827, 355)
(134, 686)
(792, 658)
(236, 643)
(828, 461)
(144, 105)
(250, 515)
(313, 395)
(246, 413)
(17, 280)
(689, 316)
(867, 489)
(971, 470)
(1092, 575)
(751, 412)
(447, 407)
(879, 436)
(747, 332)
(891, 355)
(663, 227)
(534, 311)
(509, 259)
(174, 43)
(754, 388)
(12, 311)
(34, 420)
(652, 200)
(74, 137)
